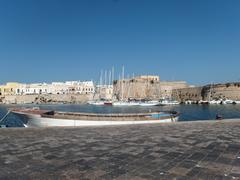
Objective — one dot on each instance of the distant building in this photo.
(69, 87)
(147, 78)
(146, 87)
(38, 88)
(9, 88)
(78, 87)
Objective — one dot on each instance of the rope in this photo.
(4, 117)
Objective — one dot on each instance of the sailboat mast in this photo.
(105, 82)
(101, 79)
(122, 82)
(210, 93)
(109, 78)
(112, 75)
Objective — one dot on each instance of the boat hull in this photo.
(35, 120)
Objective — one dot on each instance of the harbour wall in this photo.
(46, 98)
(215, 91)
(144, 89)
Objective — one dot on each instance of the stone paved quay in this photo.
(184, 150)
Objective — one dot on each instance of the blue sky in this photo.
(58, 40)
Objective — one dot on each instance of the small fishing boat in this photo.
(46, 118)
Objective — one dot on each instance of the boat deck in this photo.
(109, 117)
(97, 116)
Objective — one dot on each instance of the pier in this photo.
(184, 150)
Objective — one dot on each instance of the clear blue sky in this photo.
(57, 40)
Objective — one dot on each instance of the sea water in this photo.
(187, 112)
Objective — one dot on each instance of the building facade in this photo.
(69, 87)
(9, 88)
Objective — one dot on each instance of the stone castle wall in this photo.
(216, 91)
(140, 89)
(193, 94)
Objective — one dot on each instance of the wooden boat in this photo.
(46, 118)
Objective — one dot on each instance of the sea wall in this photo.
(216, 91)
(185, 94)
(141, 89)
(46, 98)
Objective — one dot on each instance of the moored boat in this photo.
(215, 101)
(168, 102)
(96, 103)
(227, 101)
(125, 103)
(45, 118)
(149, 103)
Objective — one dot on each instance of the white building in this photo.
(39, 88)
(69, 87)
(59, 88)
(78, 87)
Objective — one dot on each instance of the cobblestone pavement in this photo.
(184, 150)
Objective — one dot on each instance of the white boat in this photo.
(45, 118)
(169, 102)
(227, 101)
(125, 103)
(203, 102)
(215, 102)
(97, 103)
(149, 103)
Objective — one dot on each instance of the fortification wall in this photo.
(216, 91)
(222, 91)
(146, 89)
(193, 94)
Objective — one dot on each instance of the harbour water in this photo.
(188, 112)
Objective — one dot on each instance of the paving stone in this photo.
(184, 150)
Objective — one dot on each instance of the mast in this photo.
(101, 80)
(105, 82)
(119, 86)
(210, 93)
(109, 78)
(112, 75)
(122, 82)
